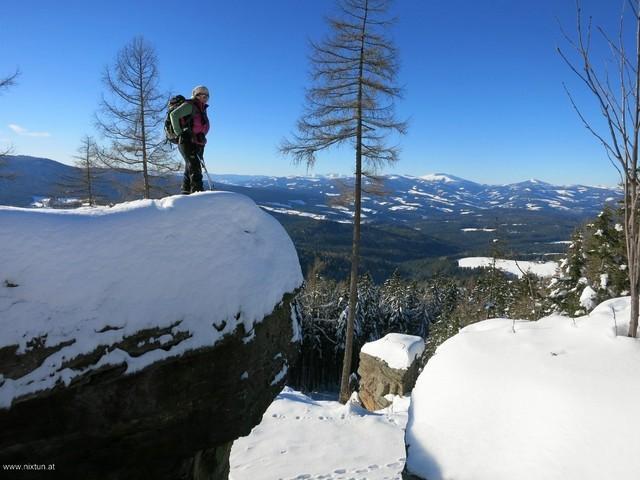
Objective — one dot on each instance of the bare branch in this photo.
(9, 81)
(621, 112)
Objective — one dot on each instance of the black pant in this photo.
(192, 179)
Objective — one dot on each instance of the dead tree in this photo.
(133, 116)
(617, 94)
(85, 181)
(351, 101)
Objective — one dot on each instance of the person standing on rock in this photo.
(191, 124)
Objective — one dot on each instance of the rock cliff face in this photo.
(174, 419)
(377, 379)
(388, 366)
(140, 341)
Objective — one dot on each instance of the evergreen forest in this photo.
(593, 270)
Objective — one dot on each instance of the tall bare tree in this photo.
(85, 183)
(351, 101)
(133, 117)
(616, 91)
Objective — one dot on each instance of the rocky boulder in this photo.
(388, 366)
(138, 358)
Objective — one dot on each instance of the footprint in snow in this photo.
(340, 471)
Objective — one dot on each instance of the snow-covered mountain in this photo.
(404, 198)
(407, 197)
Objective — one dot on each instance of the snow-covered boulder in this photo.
(142, 339)
(388, 366)
(557, 400)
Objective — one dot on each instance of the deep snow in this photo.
(303, 438)
(396, 349)
(204, 263)
(557, 399)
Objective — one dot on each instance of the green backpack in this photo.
(174, 102)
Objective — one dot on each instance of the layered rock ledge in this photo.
(139, 341)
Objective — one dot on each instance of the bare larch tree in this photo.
(616, 92)
(351, 101)
(133, 117)
(85, 183)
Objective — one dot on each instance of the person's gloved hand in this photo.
(185, 136)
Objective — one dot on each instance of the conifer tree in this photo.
(566, 286)
(605, 262)
(368, 310)
(417, 311)
(133, 116)
(351, 102)
(393, 305)
(596, 259)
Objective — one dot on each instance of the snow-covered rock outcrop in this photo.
(138, 335)
(389, 366)
(557, 399)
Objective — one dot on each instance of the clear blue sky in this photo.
(483, 82)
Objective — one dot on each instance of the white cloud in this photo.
(23, 131)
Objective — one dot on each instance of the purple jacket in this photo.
(200, 120)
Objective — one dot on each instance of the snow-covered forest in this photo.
(592, 272)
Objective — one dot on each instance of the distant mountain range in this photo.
(418, 225)
(411, 198)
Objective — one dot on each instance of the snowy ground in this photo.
(302, 438)
(541, 269)
(556, 400)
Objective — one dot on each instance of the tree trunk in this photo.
(89, 186)
(143, 136)
(631, 240)
(355, 247)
